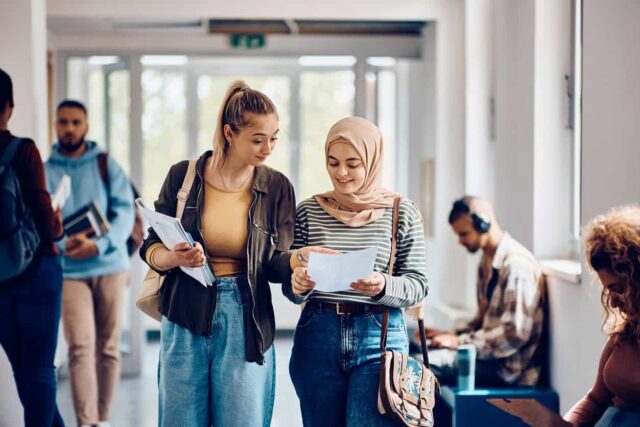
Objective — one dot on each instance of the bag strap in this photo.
(9, 153)
(187, 183)
(103, 167)
(392, 261)
(417, 309)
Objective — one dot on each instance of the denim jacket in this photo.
(271, 216)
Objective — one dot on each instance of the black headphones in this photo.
(480, 223)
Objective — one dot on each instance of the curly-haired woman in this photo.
(613, 252)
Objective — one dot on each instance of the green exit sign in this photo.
(247, 41)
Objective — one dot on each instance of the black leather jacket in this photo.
(271, 217)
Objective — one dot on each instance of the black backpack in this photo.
(137, 233)
(18, 235)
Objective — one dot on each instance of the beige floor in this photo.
(136, 400)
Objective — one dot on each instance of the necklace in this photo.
(241, 185)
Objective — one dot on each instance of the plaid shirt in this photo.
(509, 325)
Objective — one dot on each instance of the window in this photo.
(102, 83)
(171, 113)
(325, 97)
(576, 124)
(164, 126)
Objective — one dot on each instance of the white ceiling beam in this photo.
(277, 45)
(250, 9)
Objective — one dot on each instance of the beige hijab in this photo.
(369, 202)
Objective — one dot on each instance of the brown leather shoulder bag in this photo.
(407, 387)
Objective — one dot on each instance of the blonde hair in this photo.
(239, 100)
(612, 241)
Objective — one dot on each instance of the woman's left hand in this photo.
(371, 286)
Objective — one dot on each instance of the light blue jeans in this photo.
(616, 416)
(335, 366)
(207, 381)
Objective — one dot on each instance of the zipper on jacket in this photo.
(253, 302)
(199, 205)
(273, 237)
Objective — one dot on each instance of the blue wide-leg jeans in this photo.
(207, 381)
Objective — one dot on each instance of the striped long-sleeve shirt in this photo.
(407, 285)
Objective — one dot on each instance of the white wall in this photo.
(444, 65)
(611, 105)
(23, 47)
(480, 165)
(514, 84)
(575, 337)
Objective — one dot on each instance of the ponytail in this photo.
(239, 100)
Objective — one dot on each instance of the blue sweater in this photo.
(87, 185)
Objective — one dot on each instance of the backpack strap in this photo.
(103, 167)
(183, 193)
(10, 153)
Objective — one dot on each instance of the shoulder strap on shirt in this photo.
(10, 152)
(187, 183)
(103, 167)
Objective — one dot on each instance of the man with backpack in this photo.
(95, 264)
(30, 273)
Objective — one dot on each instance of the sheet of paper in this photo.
(531, 412)
(62, 193)
(334, 273)
(171, 233)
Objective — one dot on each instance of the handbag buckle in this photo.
(182, 194)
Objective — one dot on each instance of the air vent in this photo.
(156, 25)
(384, 28)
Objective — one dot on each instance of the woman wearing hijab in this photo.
(335, 362)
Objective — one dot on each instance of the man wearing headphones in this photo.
(507, 329)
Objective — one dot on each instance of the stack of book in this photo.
(89, 220)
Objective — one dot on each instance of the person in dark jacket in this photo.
(30, 302)
(217, 361)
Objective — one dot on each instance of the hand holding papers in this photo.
(333, 273)
(172, 233)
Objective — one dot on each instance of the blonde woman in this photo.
(613, 251)
(217, 361)
(335, 362)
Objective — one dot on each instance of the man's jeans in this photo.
(335, 365)
(29, 318)
(207, 381)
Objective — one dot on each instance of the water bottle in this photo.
(466, 367)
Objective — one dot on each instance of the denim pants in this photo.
(335, 365)
(616, 416)
(207, 381)
(29, 319)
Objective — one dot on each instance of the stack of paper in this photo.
(172, 233)
(333, 273)
(62, 193)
